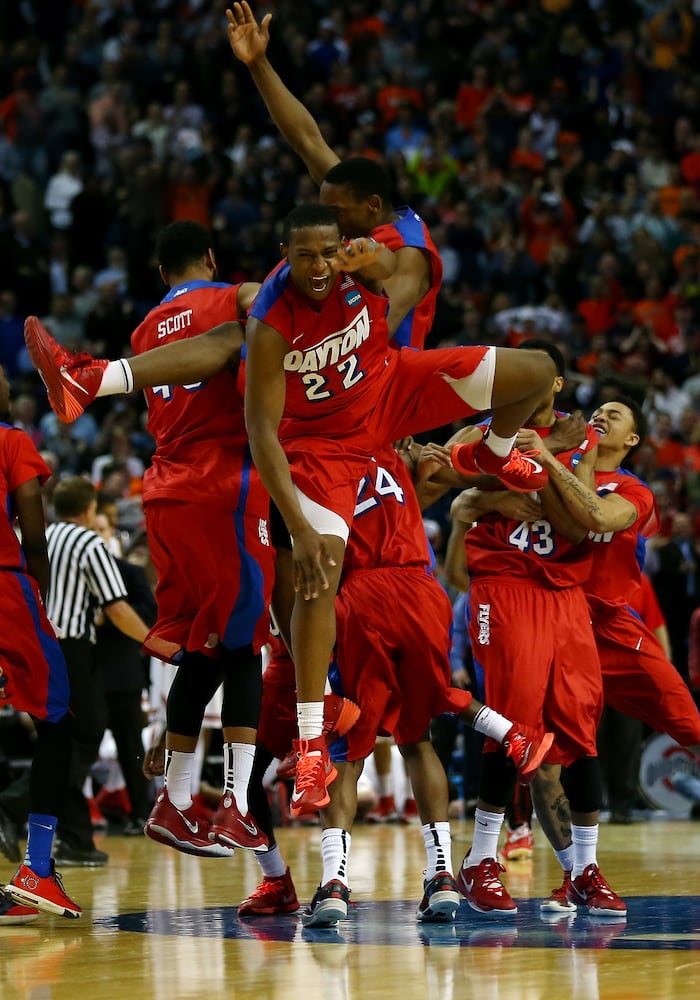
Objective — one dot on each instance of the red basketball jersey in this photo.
(617, 556)
(387, 529)
(409, 230)
(498, 546)
(202, 452)
(19, 462)
(338, 348)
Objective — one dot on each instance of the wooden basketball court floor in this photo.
(162, 925)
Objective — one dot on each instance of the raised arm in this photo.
(249, 41)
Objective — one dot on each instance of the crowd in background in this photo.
(552, 146)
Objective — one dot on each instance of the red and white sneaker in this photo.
(482, 888)
(558, 901)
(591, 894)
(46, 893)
(182, 829)
(12, 914)
(519, 471)
(273, 895)
(71, 379)
(519, 843)
(526, 751)
(314, 773)
(409, 813)
(231, 829)
(339, 716)
(384, 812)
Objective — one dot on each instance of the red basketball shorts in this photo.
(539, 658)
(30, 655)
(215, 572)
(640, 681)
(394, 628)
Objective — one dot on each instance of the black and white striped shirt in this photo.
(84, 575)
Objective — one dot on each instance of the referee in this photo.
(84, 578)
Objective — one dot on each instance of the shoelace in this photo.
(492, 870)
(518, 462)
(599, 882)
(306, 767)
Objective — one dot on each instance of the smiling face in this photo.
(309, 252)
(614, 424)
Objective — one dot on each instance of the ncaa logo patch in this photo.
(352, 298)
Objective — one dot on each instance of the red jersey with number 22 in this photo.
(338, 348)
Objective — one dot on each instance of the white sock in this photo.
(310, 719)
(585, 842)
(335, 848)
(271, 862)
(238, 764)
(566, 858)
(487, 828)
(490, 723)
(498, 445)
(438, 848)
(178, 777)
(117, 379)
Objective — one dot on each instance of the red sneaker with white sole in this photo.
(45, 892)
(273, 895)
(519, 844)
(519, 471)
(71, 379)
(482, 888)
(13, 914)
(558, 901)
(314, 773)
(591, 894)
(232, 829)
(182, 829)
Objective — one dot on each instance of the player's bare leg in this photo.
(512, 390)
(313, 637)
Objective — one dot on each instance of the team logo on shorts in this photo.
(484, 623)
(263, 534)
(353, 297)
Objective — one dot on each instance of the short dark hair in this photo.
(307, 216)
(638, 416)
(538, 344)
(181, 244)
(364, 177)
(73, 496)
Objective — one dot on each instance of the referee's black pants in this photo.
(88, 708)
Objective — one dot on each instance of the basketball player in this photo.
(358, 188)
(323, 392)
(33, 673)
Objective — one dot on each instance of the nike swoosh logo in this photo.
(192, 827)
(250, 827)
(294, 339)
(469, 885)
(536, 465)
(69, 378)
(296, 796)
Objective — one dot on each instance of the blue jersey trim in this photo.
(191, 286)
